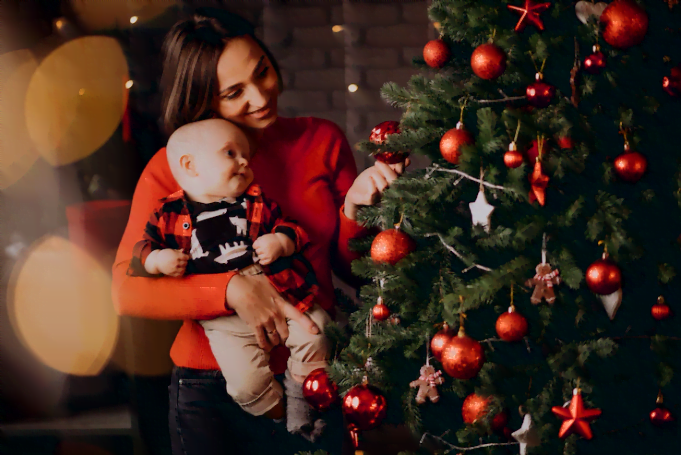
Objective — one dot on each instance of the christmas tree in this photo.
(533, 267)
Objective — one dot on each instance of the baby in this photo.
(220, 221)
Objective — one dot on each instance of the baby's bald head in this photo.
(202, 153)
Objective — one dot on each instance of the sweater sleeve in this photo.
(275, 222)
(196, 297)
(344, 174)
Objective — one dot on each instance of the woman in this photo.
(215, 66)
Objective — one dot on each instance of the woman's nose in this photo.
(257, 98)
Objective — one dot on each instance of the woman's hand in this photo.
(367, 188)
(257, 302)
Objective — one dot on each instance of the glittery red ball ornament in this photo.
(463, 356)
(452, 141)
(380, 311)
(672, 83)
(595, 63)
(539, 94)
(603, 277)
(390, 246)
(513, 158)
(488, 61)
(319, 391)
(661, 416)
(436, 53)
(378, 135)
(630, 166)
(625, 24)
(475, 408)
(440, 339)
(511, 326)
(661, 310)
(364, 407)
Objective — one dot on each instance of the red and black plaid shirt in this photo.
(170, 227)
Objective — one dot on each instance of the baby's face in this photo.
(222, 162)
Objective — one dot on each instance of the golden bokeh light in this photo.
(60, 307)
(76, 99)
(17, 152)
(352, 88)
(337, 28)
(129, 84)
(97, 15)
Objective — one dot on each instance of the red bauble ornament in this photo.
(364, 407)
(533, 152)
(390, 246)
(475, 408)
(603, 277)
(539, 94)
(319, 391)
(511, 326)
(436, 53)
(463, 356)
(661, 310)
(488, 61)
(378, 135)
(440, 339)
(452, 141)
(529, 13)
(566, 143)
(513, 158)
(576, 417)
(672, 83)
(630, 166)
(625, 24)
(380, 311)
(661, 416)
(595, 63)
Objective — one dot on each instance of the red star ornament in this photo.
(538, 181)
(576, 417)
(529, 13)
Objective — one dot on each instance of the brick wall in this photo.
(376, 45)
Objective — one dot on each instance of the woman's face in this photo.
(248, 85)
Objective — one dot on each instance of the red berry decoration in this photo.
(661, 416)
(661, 310)
(390, 246)
(364, 407)
(319, 391)
(378, 135)
(625, 24)
(440, 339)
(603, 277)
(630, 166)
(511, 326)
(380, 311)
(595, 63)
(463, 356)
(672, 83)
(475, 408)
(513, 158)
(436, 53)
(539, 94)
(452, 141)
(488, 61)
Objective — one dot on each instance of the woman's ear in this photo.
(188, 165)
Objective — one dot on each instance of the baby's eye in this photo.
(231, 153)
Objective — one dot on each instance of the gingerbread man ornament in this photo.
(543, 281)
(427, 384)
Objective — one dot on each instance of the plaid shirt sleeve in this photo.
(275, 222)
(153, 239)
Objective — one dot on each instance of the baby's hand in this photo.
(269, 247)
(167, 261)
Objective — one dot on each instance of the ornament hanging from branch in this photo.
(630, 166)
(463, 356)
(595, 63)
(672, 83)
(427, 382)
(488, 60)
(391, 246)
(661, 416)
(585, 10)
(452, 141)
(529, 13)
(604, 278)
(538, 180)
(319, 391)
(661, 310)
(378, 136)
(575, 417)
(436, 53)
(440, 339)
(539, 94)
(513, 158)
(475, 407)
(511, 326)
(544, 279)
(481, 210)
(527, 435)
(625, 24)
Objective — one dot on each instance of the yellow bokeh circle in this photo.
(17, 152)
(60, 307)
(109, 14)
(76, 99)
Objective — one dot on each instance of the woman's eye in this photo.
(263, 73)
(234, 94)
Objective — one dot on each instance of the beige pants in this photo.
(244, 364)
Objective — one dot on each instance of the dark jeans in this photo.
(203, 419)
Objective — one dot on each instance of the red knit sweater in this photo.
(306, 166)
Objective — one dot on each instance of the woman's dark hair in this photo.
(190, 58)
